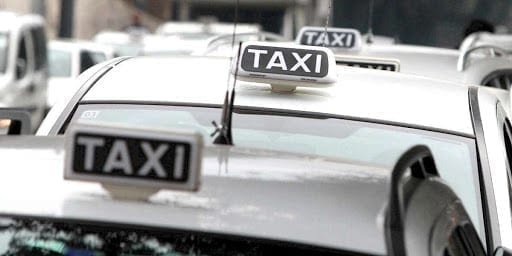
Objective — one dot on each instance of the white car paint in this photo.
(60, 85)
(250, 193)
(375, 96)
(123, 43)
(343, 98)
(441, 63)
(29, 90)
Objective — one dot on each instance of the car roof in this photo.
(251, 193)
(485, 38)
(382, 96)
(427, 61)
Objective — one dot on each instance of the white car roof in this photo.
(419, 60)
(252, 193)
(361, 93)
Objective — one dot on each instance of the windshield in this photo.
(313, 136)
(97, 57)
(47, 237)
(60, 63)
(4, 44)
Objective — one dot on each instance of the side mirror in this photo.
(501, 251)
(14, 121)
(21, 68)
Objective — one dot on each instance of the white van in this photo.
(23, 64)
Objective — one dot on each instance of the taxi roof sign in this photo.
(133, 158)
(347, 39)
(285, 66)
(368, 62)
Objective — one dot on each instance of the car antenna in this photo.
(222, 133)
(369, 34)
(327, 23)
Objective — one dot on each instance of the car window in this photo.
(98, 56)
(22, 57)
(60, 63)
(4, 47)
(49, 237)
(86, 60)
(316, 136)
(39, 45)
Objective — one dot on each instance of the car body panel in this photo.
(395, 98)
(243, 191)
(418, 60)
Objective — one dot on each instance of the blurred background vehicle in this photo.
(23, 64)
(199, 27)
(67, 59)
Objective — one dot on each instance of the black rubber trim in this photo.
(297, 113)
(161, 231)
(489, 210)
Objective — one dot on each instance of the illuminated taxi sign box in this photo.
(369, 63)
(345, 39)
(286, 67)
(131, 162)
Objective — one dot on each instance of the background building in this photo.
(89, 17)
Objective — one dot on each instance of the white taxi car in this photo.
(470, 65)
(304, 108)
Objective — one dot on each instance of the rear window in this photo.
(313, 135)
(28, 236)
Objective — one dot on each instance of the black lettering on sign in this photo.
(333, 39)
(285, 61)
(369, 65)
(135, 158)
